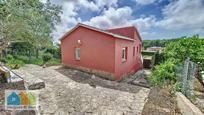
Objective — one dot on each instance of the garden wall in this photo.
(186, 107)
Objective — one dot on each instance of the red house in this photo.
(112, 53)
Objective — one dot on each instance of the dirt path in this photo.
(160, 102)
(64, 96)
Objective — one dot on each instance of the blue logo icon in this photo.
(13, 99)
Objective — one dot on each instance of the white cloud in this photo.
(95, 5)
(146, 34)
(183, 14)
(177, 15)
(144, 23)
(145, 2)
(70, 10)
(111, 18)
(109, 3)
(180, 18)
(114, 17)
(67, 18)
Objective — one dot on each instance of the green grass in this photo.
(15, 62)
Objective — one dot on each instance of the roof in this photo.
(98, 30)
(125, 31)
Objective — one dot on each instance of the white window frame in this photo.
(77, 53)
(124, 54)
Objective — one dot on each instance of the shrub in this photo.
(15, 64)
(9, 57)
(38, 61)
(55, 51)
(25, 59)
(176, 87)
(163, 73)
(191, 47)
(54, 61)
(46, 57)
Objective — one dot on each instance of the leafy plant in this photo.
(25, 59)
(176, 87)
(54, 50)
(163, 74)
(46, 57)
(54, 61)
(9, 57)
(15, 64)
(192, 47)
(38, 61)
(175, 52)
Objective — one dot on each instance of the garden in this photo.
(179, 67)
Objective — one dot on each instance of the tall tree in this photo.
(28, 21)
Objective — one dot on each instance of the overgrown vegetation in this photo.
(174, 54)
(164, 73)
(15, 57)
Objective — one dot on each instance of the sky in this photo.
(155, 19)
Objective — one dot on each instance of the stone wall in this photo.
(186, 107)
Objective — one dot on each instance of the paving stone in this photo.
(63, 95)
(31, 82)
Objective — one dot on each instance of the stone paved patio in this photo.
(64, 96)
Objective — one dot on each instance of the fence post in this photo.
(185, 76)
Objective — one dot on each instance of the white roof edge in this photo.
(93, 28)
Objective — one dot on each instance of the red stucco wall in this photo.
(132, 64)
(97, 50)
(101, 52)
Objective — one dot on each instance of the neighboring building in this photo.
(149, 58)
(155, 48)
(112, 53)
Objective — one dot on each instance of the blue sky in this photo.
(155, 19)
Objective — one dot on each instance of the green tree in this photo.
(27, 21)
(192, 47)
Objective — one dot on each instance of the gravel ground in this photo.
(72, 92)
(96, 81)
(65, 95)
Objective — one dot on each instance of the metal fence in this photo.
(185, 75)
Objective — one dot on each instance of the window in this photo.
(77, 53)
(137, 49)
(140, 48)
(124, 54)
(134, 51)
